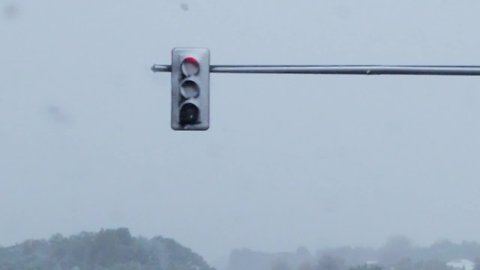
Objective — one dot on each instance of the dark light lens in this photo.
(189, 89)
(189, 114)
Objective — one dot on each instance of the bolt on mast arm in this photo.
(341, 69)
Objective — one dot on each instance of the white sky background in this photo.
(85, 138)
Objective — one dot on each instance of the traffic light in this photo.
(190, 89)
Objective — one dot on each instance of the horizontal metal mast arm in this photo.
(341, 69)
(162, 68)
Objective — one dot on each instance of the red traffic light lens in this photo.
(190, 66)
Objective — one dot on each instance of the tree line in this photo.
(105, 250)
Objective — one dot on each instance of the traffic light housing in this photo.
(190, 89)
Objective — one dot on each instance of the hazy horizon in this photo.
(220, 262)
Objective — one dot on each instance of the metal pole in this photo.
(341, 69)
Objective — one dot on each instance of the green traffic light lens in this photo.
(189, 114)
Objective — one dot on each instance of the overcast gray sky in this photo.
(85, 138)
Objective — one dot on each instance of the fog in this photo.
(289, 160)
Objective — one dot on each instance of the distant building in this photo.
(461, 264)
(372, 263)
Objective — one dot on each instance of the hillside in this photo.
(105, 250)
